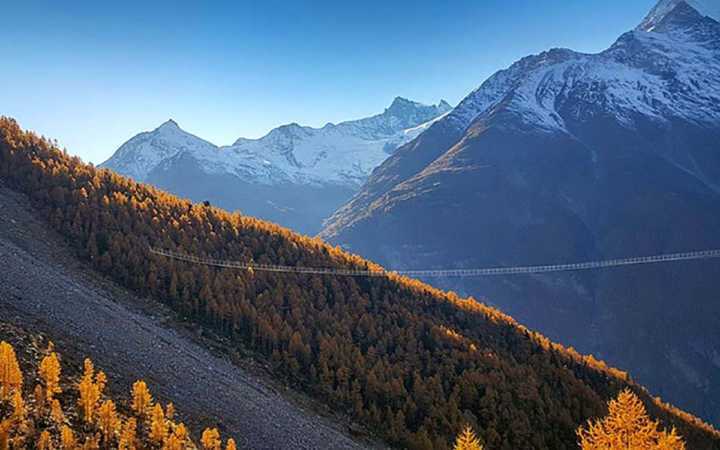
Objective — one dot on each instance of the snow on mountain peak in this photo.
(169, 124)
(143, 152)
(343, 154)
(670, 73)
(707, 8)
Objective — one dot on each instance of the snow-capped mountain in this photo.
(272, 176)
(140, 155)
(662, 75)
(567, 157)
(707, 8)
(342, 154)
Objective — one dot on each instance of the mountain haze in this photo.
(569, 157)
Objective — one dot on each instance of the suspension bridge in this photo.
(441, 273)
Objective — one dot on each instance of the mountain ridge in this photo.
(567, 157)
(294, 175)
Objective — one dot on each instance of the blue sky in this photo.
(92, 73)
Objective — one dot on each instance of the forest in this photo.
(413, 364)
(80, 415)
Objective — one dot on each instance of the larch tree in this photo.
(10, 374)
(627, 426)
(158, 425)
(210, 439)
(467, 440)
(142, 400)
(108, 421)
(43, 442)
(67, 438)
(49, 372)
(91, 387)
(128, 435)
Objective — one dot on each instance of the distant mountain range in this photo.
(295, 175)
(567, 157)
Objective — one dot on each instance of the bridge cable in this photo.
(437, 273)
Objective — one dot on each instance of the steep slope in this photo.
(567, 157)
(45, 288)
(296, 176)
(413, 363)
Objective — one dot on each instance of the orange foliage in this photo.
(21, 426)
(628, 425)
(409, 361)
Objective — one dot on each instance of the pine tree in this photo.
(627, 426)
(467, 440)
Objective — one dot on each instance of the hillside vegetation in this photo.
(45, 411)
(412, 363)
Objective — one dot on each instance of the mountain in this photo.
(569, 157)
(48, 293)
(296, 176)
(412, 364)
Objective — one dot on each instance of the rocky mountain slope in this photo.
(295, 175)
(567, 157)
(45, 288)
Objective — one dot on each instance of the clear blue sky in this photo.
(93, 73)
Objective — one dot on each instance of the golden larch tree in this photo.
(56, 412)
(128, 435)
(49, 372)
(231, 444)
(627, 426)
(142, 400)
(5, 427)
(91, 387)
(158, 426)
(19, 411)
(467, 440)
(10, 374)
(108, 421)
(67, 438)
(210, 439)
(43, 442)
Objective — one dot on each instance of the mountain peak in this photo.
(664, 8)
(400, 104)
(169, 124)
